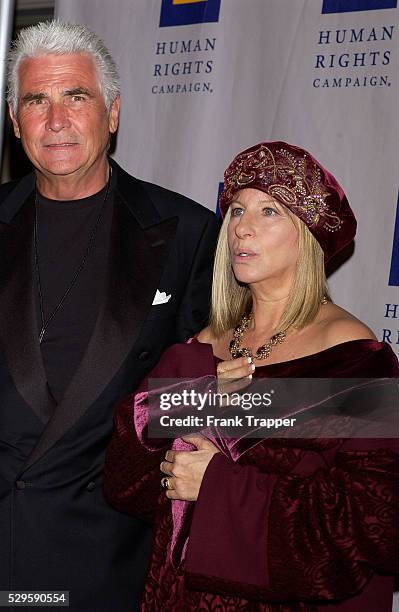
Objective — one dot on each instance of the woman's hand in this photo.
(234, 374)
(185, 469)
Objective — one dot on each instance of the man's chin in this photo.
(59, 169)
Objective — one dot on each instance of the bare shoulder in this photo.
(338, 326)
(219, 345)
(205, 335)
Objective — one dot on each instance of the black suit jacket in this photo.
(56, 530)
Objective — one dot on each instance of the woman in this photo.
(277, 524)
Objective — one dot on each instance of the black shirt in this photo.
(63, 231)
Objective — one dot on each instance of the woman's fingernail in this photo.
(253, 367)
(249, 359)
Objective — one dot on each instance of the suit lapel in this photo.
(140, 241)
(18, 322)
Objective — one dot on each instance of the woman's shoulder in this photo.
(337, 326)
(219, 344)
(346, 338)
(205, 335)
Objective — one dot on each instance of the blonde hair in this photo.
(232, 299)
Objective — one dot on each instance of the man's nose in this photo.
(57, 117)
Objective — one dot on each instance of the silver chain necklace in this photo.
(45, 322)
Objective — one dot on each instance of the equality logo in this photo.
(186, 12)
(218, 211)
(394, 272)
(351, 6)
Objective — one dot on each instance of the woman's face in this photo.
(262, 238)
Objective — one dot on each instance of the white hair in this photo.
(57, 38)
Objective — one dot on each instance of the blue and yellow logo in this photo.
(220, 189)
(394, 272)
(351, 6)
(186, 12)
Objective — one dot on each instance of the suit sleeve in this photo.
(314, 537)
(194, 308)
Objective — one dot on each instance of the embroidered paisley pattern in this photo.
(295, 181)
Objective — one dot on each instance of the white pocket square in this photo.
(161, 298)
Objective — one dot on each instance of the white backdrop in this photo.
(195, 94)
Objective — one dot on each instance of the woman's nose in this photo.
(245, 226)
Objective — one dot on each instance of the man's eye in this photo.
(78, 98)
(35, 102)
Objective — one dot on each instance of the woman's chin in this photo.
(246, 278)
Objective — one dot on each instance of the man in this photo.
(99, 272)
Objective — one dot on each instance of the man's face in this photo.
(62, 120)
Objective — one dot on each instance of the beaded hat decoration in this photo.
(296, 179)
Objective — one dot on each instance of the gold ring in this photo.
(165, 483)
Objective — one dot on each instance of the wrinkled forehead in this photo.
(250, 196)
(53, 69)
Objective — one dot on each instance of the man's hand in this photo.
(185, 469)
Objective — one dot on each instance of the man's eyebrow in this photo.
(28, 97)
(75, 91)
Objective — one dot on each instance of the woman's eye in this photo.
(269, 212)
(236, 211)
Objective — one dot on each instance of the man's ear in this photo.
(14, 122)
(113, 119)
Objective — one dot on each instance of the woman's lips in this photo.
(243, 256)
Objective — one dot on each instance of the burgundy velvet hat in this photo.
(296, 179)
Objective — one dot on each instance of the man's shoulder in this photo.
(6, 189)
(174, 202)
(14, 193)
(166, 201)
(8, 201)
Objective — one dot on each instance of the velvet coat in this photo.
(301, 524)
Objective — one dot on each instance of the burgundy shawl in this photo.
(291, 525)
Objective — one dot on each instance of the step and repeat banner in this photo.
(204, 79)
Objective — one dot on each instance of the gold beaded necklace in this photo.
(262, 352)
